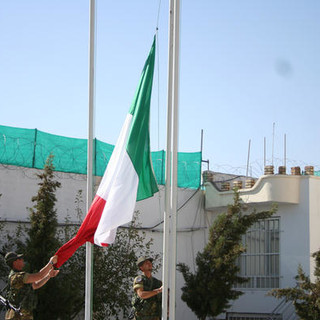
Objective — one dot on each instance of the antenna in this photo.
(201, 143)
(264, 151)
(285, 150)
(248, 158)
(273, 141)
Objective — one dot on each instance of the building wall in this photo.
(298, 209)
(18, 185)
(314, 221)
(299, 212)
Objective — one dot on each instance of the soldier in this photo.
(147, 296)
(20, 292)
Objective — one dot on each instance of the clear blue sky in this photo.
(244, 65)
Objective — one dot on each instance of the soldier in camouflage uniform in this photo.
(20, 291)
(147, 296)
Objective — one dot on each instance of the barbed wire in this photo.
(256, 167)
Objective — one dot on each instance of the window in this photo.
(260, 262)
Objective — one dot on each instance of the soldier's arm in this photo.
(34, 277)
(148, 294)
(38, 284)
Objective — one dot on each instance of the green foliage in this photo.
(71, 279)
(306, 295)
(61, 297)
(115, 269)
(209, 290)
(41, 240)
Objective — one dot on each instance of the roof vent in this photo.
(237, 184)
(282, 170)
(268, 170)
(250, 183)
(225, 186)
(309, 170)
(295, 171)
(207, 176)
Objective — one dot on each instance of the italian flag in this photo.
(128, 177)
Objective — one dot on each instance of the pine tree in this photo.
(41, 241)
(209, 290)
(306, 295)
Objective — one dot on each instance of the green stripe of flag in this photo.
(138, 146)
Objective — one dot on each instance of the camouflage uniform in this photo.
(20, 294)
(147, 309)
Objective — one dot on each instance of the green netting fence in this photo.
(31, 147)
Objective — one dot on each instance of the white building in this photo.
(275, 247)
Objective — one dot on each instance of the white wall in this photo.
(299, 211)
(299, 222)
(18, 185)
(314, 220)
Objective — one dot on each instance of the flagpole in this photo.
(89, 249)
(167, 210)
(174, 178)
(170, 241)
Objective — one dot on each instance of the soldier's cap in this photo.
(12, 256)
(141, 260)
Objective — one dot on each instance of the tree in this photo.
(306, 295)
(209, 290)
(115, 269)
(41, 240)
(61, 296)
(71, 279)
